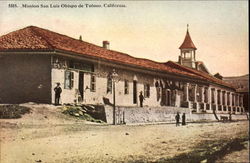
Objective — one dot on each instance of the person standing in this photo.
(58, 91)
(183, 118)
(177, 118)
(141, 98)
(230, 116)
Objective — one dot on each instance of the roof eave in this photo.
(186, 77)
(25, 50)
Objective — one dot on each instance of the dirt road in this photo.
(47, 136)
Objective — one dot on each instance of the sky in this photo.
(148, 29)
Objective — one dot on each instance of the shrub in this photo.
(12, 111)
(80, 112)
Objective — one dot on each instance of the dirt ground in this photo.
(46, 135)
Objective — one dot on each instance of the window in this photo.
(93, 83)
(146, 90)
(69, 80)
(126, 87)
(109, 85)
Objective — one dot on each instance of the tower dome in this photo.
(187, 49)
(187, 43)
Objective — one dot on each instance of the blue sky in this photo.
(148, 29)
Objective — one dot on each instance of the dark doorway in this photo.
(135, 92)
(81, 82)
(168, 102)
(163, 97)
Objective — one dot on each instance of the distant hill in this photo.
(239, 82)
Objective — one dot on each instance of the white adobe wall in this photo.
(69, 95)
(101, 73)
(94, 97)
(121, 98)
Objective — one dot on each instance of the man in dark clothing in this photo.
(177, 118)
(58, 91)
(230, 116)
(141, 98)
(183, 118)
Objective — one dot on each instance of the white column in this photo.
(230, 99)
(240, 103)
(195, 93)
(237, 100)
(220, 97)
(215, 99)
(195, 99)
(221, 106)
(202, 94)
(209, 97)
(241, 99)
(186, 95)
(215, 96)
(225, 100)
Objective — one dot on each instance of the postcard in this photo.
(124, 81)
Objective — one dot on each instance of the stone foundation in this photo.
(130, 115)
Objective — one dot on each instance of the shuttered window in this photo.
(126, 87)
(109, 85)
(146, 90)
(68, 80)
(93, 83)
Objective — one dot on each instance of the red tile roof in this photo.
(22, 39)
(34, 39)
(187, 43)
(206, 76)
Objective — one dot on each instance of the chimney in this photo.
(105, 44)
(80, 38)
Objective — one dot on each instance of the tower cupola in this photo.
(187, 51)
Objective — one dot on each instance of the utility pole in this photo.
(114, 75)
(114, 111)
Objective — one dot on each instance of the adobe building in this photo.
(33, 60)
(241, 84)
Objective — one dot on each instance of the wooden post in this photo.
(114, 111)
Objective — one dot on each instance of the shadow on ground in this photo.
(207, 151)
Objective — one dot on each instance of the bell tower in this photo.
(187, 52)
